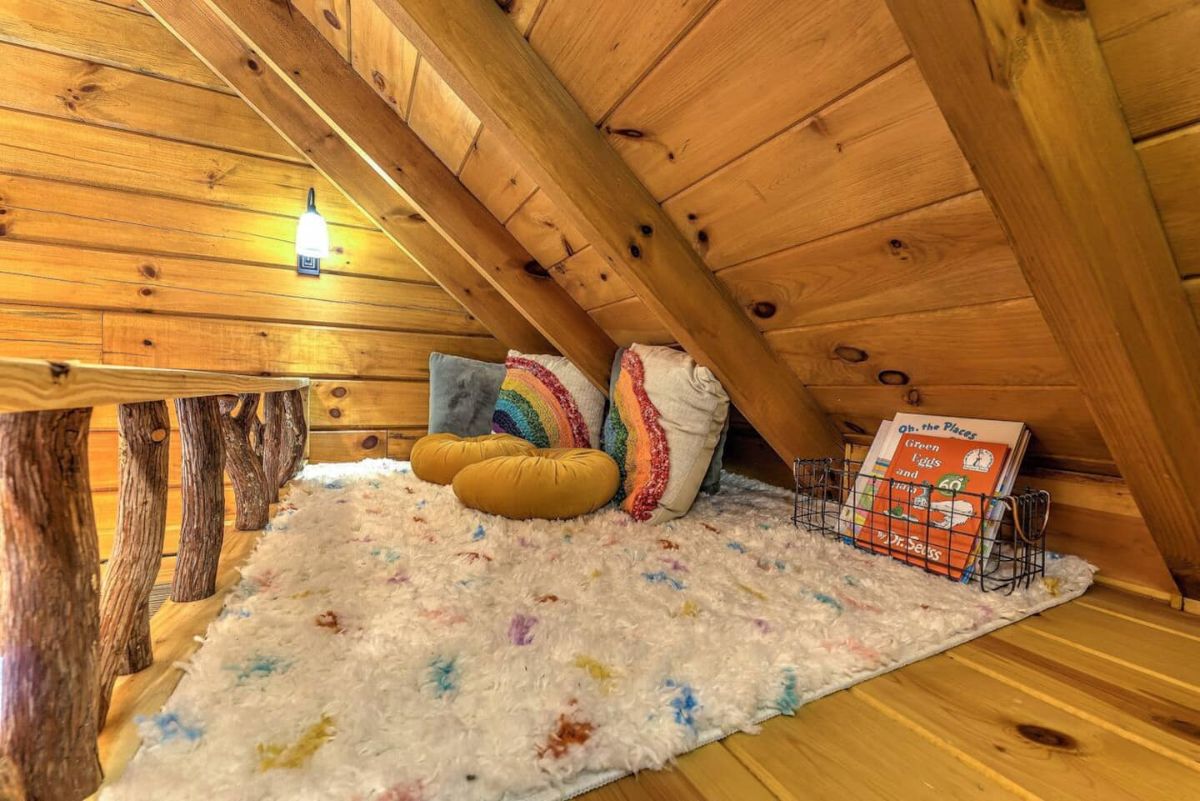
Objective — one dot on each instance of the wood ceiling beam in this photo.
(475, 48)
(1029, 97)
(501, 298)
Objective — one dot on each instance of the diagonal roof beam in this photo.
(1027, 93)
(494, 70)
(296, 80)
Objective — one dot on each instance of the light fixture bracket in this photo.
(308, 265)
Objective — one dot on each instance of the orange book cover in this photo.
(930, 513)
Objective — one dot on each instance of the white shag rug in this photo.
(388, 644)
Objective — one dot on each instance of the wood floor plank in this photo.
(818, 754)
(1142, 610)
(1164, 653)
(1045, 750)
(710, 773)
(1142, 707)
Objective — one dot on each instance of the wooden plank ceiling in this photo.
(838, 211)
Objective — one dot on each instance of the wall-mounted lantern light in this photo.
(312, 238)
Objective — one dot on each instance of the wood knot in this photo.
(635, 251)
(892, 377)
(370, 442)
(149, 343)
(145, 292)
(849, 354)
(148, 270)
(854, 428)
(505, 5)
(646, 230)
(339, 392)
(158, 435)
(702, 236)
(536, 269)
(379, 81)
(332, 19)
(1047, 737)
(1069, 6)
(335, 413)
(913, 397)
(628, 133)
(253, 65)
(897, 247)
(763, 309)
(59, 369)
(1187, 728)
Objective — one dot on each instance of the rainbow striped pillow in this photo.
(547, 401)
(665, 417)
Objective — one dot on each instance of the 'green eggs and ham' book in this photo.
(930, 506)
(862, 497)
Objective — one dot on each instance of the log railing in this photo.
(63, 638)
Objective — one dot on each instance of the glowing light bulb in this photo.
(312, 238)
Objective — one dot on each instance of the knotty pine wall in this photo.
(147, 217)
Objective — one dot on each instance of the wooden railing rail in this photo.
(63, 638)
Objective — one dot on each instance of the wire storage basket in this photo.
(996, 542)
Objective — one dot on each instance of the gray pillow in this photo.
(711, 484)
(462, 394)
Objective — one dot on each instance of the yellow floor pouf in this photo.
(438, 457)
(550, 483)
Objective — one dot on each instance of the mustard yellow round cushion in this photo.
(550, 483)
(439, 457)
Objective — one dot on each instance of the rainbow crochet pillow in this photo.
(547, 401)
(665, 417)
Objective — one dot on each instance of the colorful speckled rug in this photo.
(388, 644)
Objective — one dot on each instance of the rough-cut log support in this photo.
(49, 606)
(145, 432)
(202, 530)
(139, 651)
(295, 434)
(257, 432)
(272, 442)
(244, 468)
(284, 434)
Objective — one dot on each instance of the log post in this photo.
(139, 651)
(295, 434)
(202, 475)
(49, 606)
(145, 431)
(272, 442)
(246, 471)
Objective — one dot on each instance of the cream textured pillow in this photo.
(664, 420)
(546, 400)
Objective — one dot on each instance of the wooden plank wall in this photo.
(147, 217)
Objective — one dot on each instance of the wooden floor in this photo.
(1097, 699)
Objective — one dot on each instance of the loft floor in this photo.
(1096, 699)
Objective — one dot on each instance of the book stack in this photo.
(928, 490)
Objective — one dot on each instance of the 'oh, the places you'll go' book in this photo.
(928, 510)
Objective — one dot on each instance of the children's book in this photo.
(927, 509)
(862, 496)
(1013, 434)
